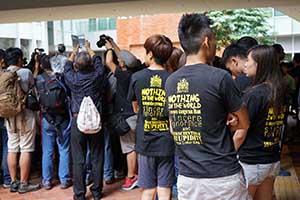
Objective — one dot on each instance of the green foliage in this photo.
(230, 25)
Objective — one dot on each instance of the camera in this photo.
(37, 51)
(102, 41)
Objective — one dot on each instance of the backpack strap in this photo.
(15, 69)
(45, 76)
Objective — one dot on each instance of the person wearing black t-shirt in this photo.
(200, 98)
(259, 154)
(123, 72)
(154, 144)
(234, 58)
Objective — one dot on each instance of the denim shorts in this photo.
(257, 173)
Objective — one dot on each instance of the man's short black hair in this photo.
(191, 31)
(296, 58)
(247, 42)
(2, 54)
(45, 62)
(13, 55)
(278, 48)
(231, 51)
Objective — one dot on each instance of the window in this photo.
(112, 23)
(7, 42)
(92, 25)
(102, 24)
(25, 47)
(277, 13)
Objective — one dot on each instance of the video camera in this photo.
(102, 41)
(37, 52)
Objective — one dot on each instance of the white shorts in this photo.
(21, 132)
(223, 188)
(256, 174)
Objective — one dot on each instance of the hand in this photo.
(87, 45)
(232, 120)
(108, 44)
(76, 49)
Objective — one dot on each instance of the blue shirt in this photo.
(82, 84)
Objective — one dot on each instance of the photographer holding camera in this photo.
(35, 60)
(123, 115)
(84, 76)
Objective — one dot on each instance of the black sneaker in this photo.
(14, 186)
(28, 187)
(78, 198)
(98, 197)
(47, 185)
(109, 181)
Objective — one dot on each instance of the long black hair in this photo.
(268, 71)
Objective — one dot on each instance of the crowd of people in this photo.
(179, 123)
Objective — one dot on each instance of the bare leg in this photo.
(148, 194)
(265, 190)
(25, 161)
(164, 193)
(12, 165)
(252, 190)
(131, 163)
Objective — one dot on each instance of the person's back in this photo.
(205, 95)
(85, 83)
(58, 62)
(55, 124)
(85, 79)
(200, 99)
(26, 78)
(21, 128)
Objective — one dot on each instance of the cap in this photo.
(129, 59)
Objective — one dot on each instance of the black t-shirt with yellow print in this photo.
(262, 142)
(199, 99)
(152, 135)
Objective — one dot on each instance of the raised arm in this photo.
(109, 57)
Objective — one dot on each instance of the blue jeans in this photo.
(6, 176)
(108, 158)
(49, 139)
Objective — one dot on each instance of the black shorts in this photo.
(156, 171)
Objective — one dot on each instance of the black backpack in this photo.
(53, 95)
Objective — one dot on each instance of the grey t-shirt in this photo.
(26, 78)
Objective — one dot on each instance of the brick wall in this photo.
(133, 32)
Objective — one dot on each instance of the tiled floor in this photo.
(111, 192)
(286, 188)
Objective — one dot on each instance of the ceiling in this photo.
(45, 10)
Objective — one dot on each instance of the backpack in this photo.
(12, 97)
(88, 119)
(52, 95)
